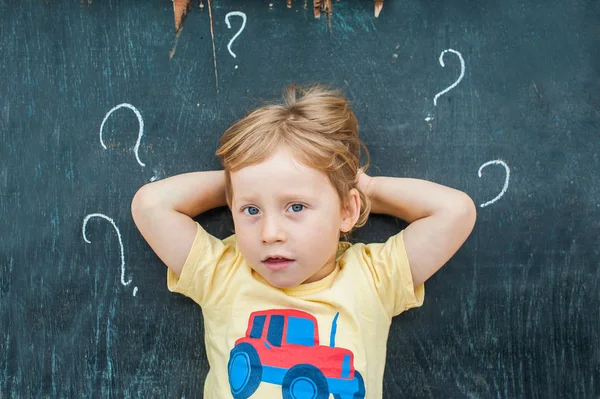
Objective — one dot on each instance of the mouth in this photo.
(276, 264)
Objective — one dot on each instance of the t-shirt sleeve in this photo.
(206, 269)
(390, 270)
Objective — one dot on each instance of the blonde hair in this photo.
(318, 128)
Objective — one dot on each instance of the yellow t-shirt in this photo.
(327, 337)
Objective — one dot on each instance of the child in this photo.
(289, 309)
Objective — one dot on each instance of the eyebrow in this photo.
(285, 197)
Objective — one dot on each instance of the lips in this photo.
(276, 260)
(276, 264)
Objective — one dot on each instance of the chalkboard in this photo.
(84, 307)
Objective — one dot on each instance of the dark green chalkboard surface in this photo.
(84, 308)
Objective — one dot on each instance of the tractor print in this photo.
(281, 346)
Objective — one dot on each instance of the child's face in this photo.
(282, 207)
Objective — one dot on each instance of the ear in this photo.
(351, 211)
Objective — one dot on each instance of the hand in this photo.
(364, 182)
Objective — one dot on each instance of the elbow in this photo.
(141, 201)
(468, 211)
(136, 203)
(463, 211)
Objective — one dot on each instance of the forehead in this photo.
(279, 175)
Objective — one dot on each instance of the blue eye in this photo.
(251, 207)
(296, 209)
(253, 211)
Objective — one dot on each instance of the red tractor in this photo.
(281, 347)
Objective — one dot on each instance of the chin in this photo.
(283, 281)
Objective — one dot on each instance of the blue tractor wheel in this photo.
(244, 370)
(360, 393)
(304, 381)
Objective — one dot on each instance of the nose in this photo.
(272, 229)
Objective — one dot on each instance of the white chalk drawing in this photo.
(100, 215)
(140, 131)
(238, 14)
(462, 73)
(506, 180)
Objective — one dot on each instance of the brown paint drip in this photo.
(180, 9)
(327, 7)
(212, 34)
(321, 5)
(378, 7)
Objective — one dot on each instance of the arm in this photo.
(441, 218)
(163, 212)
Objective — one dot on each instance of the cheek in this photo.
(328, 224)
(242, 239)
(323, 235)
(248, 251)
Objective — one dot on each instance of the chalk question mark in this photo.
(453, 85)
(506, 180)
(100, 215)
(140, 130)
(140, 133)
(239, 14)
